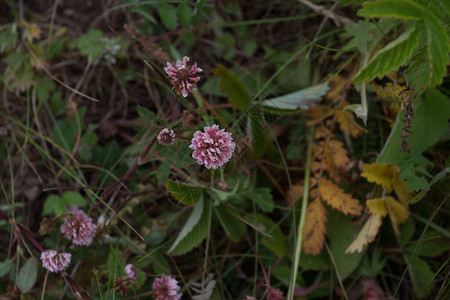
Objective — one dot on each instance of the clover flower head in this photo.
(182, 78)
(166, 136)
(79, 228)
(275, 294)
(213, 147)
(54, 261)
(131, 272)
(166, 288)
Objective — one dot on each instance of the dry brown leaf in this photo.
(297, 192)
(398, 212)
(334, 157)
(380, 174)
(337, 84)
(377, 206)
(322, 132)
(314, 229)
(337, 199)
(317, 114)
(366, 235)
(347, 122)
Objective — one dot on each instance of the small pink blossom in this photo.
(275, 294)
(181, 77)
(79, 228)
(131, 272)
(166, 288)
(212, 148)
(166, 136)
(54, 261)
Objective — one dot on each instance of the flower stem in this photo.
(298, 246)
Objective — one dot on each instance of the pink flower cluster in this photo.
(79, 228)
(166, 136)
(131, 272)
(213, 147)
(54, 261)
(182, 78)
(166, 288)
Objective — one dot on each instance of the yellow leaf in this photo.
(400, 188)
(347, 122)
(334, 157)
(338, 153)
(337, 199)
(366, 235)
(398, 212)
(31, 31)
(314, 229)
(317, 114)
(377, 206)
(380, 174)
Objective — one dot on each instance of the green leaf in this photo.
(421, 275)
(55, 204)
(194, 218)
(341, 235)
(361, 32)
(233, 227)
(348, 2)
(145, 113)
(277, 243)
(89, 44)
(195, 229)
(258, 134)
(112, 263)
(437, 48)
(27, 275)
(400, 9)
(432, 245)
(231, 84)
(391, 57)
(184, 14)
(168, 14)
(184, 193)
(262, 197)
(5, 266)
(163, 172)
(429, 123)
(300, 99)
(314, 262)
(74, 198)
(418, 72)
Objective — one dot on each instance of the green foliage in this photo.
(184, 14)
(231, 84)
(89, 44)
(27, 275)
(8, 37)
(232, 226)
(112, 264)
(195, 229)
(168, 14)
(413, 176)
(341, 236)
(401, 9)
(5, 267)
(420, 274)
(277, 242)
(429, 123)
(184, 193)
(298, 100)
(391, 57)
(427, 66)
(262, 198)
(55, 204)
